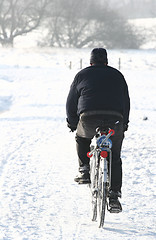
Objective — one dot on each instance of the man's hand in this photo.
(125, 127)
(72, 128)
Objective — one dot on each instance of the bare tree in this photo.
(67, 23)
(86, 24)
(114, 31)
(18, 17)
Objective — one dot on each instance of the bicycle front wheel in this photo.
(94, 185)
(102, 195)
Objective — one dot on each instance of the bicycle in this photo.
(100, 173)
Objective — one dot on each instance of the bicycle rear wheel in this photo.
(102, 195)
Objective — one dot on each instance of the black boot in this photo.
(114, 204)
(83, 176)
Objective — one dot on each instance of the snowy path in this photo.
(38, 197)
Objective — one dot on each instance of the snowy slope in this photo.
(38, 197)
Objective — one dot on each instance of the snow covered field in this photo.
(38, 197)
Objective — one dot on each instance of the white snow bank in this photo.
(38, 197)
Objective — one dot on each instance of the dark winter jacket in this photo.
(98, 87)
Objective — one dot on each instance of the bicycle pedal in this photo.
(84, 182)
(115, 210)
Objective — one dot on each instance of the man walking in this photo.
(99, 96)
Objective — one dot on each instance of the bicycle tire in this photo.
(102, 195)
(94, 206)
(93, 186)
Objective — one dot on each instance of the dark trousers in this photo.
(85, 132)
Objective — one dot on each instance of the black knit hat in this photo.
(98, 56)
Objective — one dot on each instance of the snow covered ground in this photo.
(38, 197)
